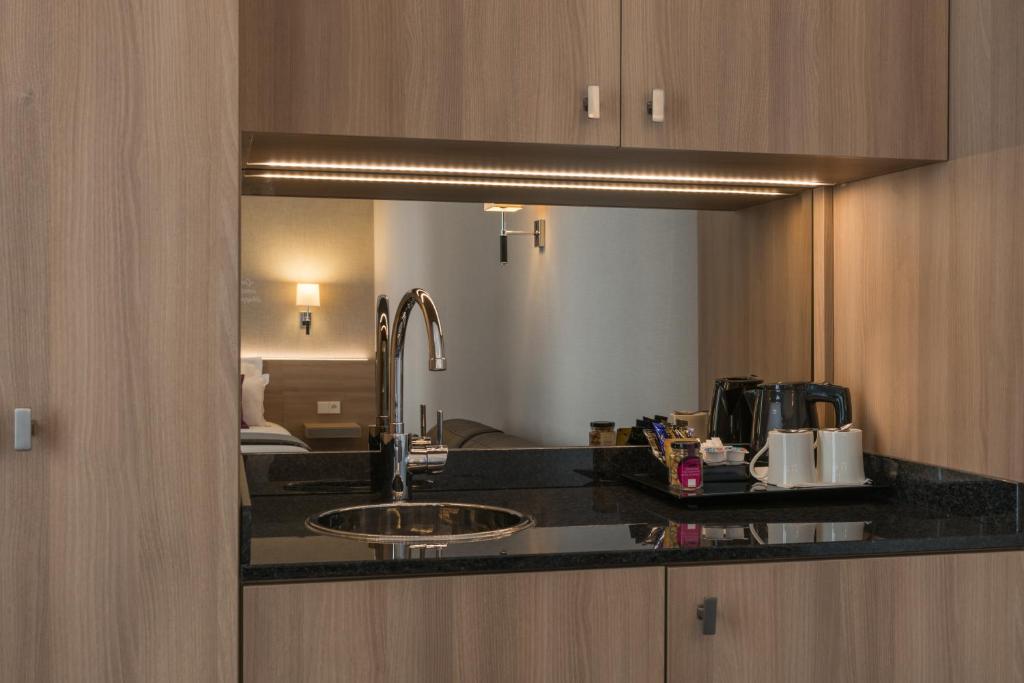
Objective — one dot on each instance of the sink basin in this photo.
(410, 522)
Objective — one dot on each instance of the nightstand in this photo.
(332, 430)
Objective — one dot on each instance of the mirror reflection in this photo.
(562, 325)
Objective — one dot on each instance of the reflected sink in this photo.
(411, 522)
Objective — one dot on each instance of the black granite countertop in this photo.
(589, 520)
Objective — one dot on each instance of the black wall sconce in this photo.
(307, 294)
(539, 232)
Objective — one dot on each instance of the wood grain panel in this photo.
(755, 293)
(119, 288)
(843, 77)
(26, 66)
(500, 70)
(824, 284)
(940, 618)
(296, 385)
(928, 281)
(586, 626)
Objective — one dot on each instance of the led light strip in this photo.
(531, 173)
(485, 182)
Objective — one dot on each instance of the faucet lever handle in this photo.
(423, 420)
(440, 428)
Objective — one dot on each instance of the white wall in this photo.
(441, 247)
(601, 325)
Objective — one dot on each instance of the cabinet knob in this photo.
(592, 102)
(707, 612)
(656, 105)
(23, 429)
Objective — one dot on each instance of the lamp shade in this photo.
(503, 208)
(307, 294)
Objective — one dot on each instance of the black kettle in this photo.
(732, 414)
(790, 405)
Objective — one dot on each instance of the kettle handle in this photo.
(837, 396)
(750, 467)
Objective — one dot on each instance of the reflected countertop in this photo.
(607, 523)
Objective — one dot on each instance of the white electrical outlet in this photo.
(328, 407)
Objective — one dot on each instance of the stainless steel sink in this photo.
(410, 522)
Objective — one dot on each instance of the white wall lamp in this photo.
(539, 232)
(307, 294)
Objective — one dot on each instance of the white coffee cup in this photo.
(840, 456)
(828, 532)
(785, 532)
(792, 458)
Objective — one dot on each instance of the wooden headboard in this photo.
(296, 386)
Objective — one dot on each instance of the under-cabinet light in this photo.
(333, 359)
(487, 182)
(532, 173)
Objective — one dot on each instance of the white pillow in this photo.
(253, 388)
(252, 366)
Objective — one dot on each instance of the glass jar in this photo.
(602, 433)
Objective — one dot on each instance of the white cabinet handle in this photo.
(22, 429)
(656, 105)
(592, 102)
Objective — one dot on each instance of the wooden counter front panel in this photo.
(937, 618)
(586, 626)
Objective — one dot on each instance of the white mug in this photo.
(785, 532)
(841, 456)
(829, 532)
(792, 458)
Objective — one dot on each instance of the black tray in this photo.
(754, 492)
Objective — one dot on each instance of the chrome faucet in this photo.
(400, 455)
(382, 335)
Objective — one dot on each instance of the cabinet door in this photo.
(862, 78)
(119, 308)
(930, 618)
(587, 626)
(493, 70)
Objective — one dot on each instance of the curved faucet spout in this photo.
(382, 350)
(435, 347)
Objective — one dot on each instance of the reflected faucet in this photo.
(399, 455)
(382, 335)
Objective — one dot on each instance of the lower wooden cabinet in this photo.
(902, 619)
(588, 626)
(927, 618)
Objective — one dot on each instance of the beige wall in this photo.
(929, 271)
(286, 240)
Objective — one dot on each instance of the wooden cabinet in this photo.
(493, 70)
(587, 626)
(859, 78)
(119, 148)
(927, 618)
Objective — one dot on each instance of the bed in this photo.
(271, 438)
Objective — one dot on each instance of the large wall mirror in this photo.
(623, 313)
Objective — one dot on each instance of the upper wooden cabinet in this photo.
(860, 78)
(494, 70)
